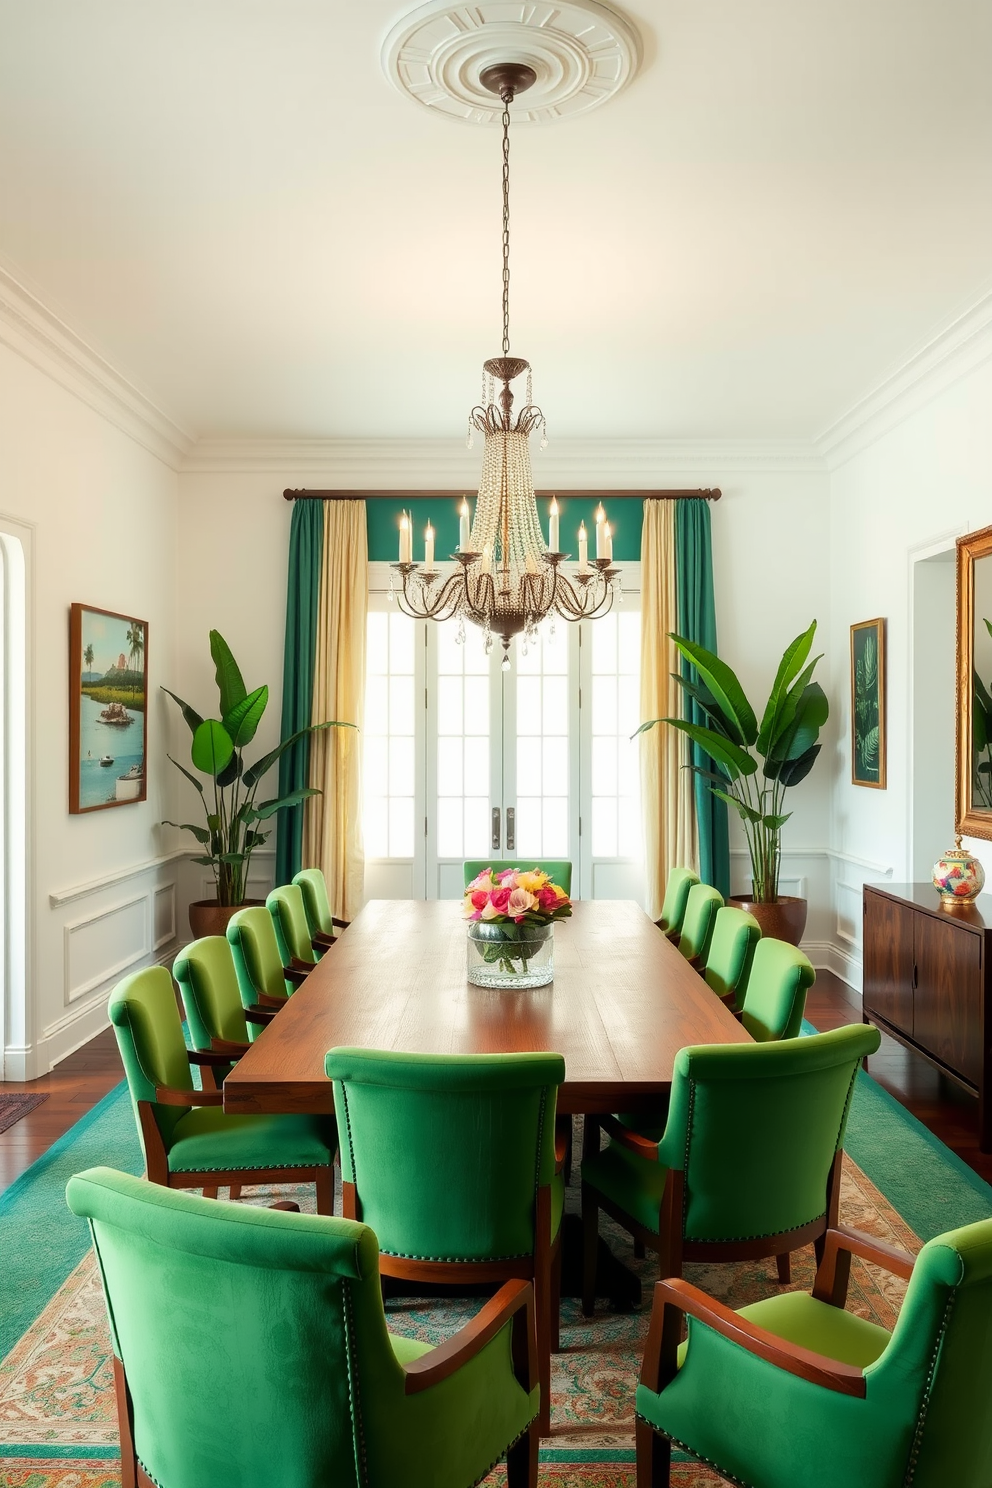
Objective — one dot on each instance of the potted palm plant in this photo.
(754, 765)
(233, 817)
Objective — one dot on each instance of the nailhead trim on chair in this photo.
(921, 1418)
(724, 1473)
(354, 1404)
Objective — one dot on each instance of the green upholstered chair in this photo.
(680, 881)
(751, 1147)
(731, 949)
(317, 905)
(795, 1391)
(250, 1350)
(452, 1161)
(289, 921)
(775, 994)
(697, 925)
(558, 869)
(188, 1141)
(215, 1014)
(264, 979)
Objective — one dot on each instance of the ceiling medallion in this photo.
(582, 53)
(507, 579)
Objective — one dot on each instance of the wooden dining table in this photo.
(622, 1004)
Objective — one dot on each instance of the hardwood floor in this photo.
(73, 1087)
(79, 1082)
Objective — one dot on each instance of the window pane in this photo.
(401, 705)
(529, 823)
(401, 826)
(476, 826)
(449, 767)
(555, 824)
(604, 704)
(401, 752)
(555, 705)
(604, 643)
(528, 705)
(604, 765)
(376, 826)
(401, 639)
(376, 705)
(377, 654)
(476, 705)
(449, 705)
(604, 826)
(449, 827)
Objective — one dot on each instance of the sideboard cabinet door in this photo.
(949, 990)
(888, 960)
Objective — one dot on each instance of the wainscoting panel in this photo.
(101, 946)
(165, 914)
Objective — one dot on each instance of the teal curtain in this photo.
(697, 622)
(306, 552)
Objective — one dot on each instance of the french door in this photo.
(463, 760)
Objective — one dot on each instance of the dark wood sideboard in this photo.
(928, 982)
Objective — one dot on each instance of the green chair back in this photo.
(209, 986)
(255, 1351)
(755, 1129)
(149, 1034)
(257, 962)
(732, 945)
(289, 920)
(697, 926)
(775, 993)
(945, 1326)
(482, 1126)
(680, 881)
(558, 869)
(317, 905)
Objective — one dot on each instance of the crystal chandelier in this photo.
(507, 579)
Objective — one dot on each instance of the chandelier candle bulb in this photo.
(406, 540)
(429, 547)
(604, 538)
(553, 526)
(607, 532)
(583, 548)
(463, 525)
(600, 515)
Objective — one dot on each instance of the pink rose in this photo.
(483, 880)
(508, 878)
(480, 899)
(499, 899)
(520, 901)
(490, 912)
(547, 899)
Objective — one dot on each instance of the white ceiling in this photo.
(231, 203)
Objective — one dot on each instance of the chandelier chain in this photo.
(507, 97)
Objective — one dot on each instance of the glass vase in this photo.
(509, 956)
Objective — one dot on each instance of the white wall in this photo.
(907, 495)
(99, 515)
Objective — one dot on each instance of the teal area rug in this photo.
(41, 1242)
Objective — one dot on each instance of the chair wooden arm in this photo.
(632, 1140)
(513, 1298)
(266, 1000)
(674, 1299)
(211, 1056)
(834, 1270)
(165, 1095)
(260, 1015)
(296, 974)
(229, 1046)
(341, 924)
(323, 942)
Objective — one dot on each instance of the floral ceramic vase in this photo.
(958, 876)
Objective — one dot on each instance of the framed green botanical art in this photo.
(868, 704)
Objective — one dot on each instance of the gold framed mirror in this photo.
(973, 764)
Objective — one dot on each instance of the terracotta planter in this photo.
(207, 917)
(783, 920)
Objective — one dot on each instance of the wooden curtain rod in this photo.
(712, 494)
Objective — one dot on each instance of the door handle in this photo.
(511, 828)
(496, 828)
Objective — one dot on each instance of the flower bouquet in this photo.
(511, 927)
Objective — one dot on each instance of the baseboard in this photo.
(827, 955)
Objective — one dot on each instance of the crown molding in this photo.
(36, 333)
(961, 346)
(409, 463)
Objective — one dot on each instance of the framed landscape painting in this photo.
(868, 704)
(108, 729)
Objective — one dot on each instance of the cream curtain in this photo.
(332, 824)
(670, 838)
